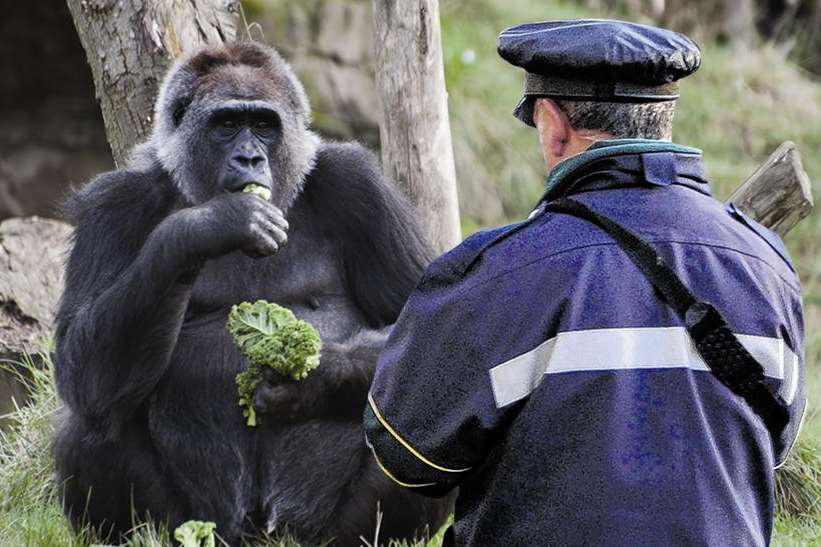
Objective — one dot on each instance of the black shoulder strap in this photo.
(725, 356)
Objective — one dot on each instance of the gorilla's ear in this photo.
(174, 98)
(179, 107)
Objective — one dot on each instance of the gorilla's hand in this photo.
(343, 376)
(235, 221)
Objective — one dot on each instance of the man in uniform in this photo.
(624, 367)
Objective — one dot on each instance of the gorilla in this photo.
(162, 249)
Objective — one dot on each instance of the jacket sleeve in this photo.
(791, 387)
(431, 413)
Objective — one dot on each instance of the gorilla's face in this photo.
(240, 140)
(228, 117)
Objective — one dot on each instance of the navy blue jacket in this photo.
(535, 369)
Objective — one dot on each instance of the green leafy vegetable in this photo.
(259, 190)
(270, 336)
(195, 533)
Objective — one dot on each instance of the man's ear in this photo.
(554, 129)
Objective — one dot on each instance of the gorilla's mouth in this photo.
(261, 190)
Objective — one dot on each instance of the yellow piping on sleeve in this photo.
(390, 475)
(404, 443)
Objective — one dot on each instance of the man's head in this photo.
(567, 128)
(588, 80)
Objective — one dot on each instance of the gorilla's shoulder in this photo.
(343, 164)
(121, 194)
(351, 155)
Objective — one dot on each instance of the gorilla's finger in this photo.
(274, 215)
(270, 216)
(275, 398)
(263, 243)
(276, 211)
(263, 397)
(272, 229)
(252, 254)
(269, 375)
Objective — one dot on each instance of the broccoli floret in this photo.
(270, 336)
(261, 191)
(195, 533)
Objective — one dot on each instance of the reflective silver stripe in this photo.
(621, 349)
(790, 384)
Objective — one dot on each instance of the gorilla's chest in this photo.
(305, 275)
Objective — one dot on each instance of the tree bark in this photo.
(130, 44)
(415, 131)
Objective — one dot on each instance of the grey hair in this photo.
(622, 120)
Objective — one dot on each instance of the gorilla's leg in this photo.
(101, 481)
(315, 454)
(404, 514)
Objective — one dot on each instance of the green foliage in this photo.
(796, 532)
(798, 483)
(195, 533)
(30, 512)
(247, 382)
(271, 336)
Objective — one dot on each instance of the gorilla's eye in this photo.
(264, 127)
(229, 124)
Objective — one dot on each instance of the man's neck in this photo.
(579, 142)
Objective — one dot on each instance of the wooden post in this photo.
(778, 194)
(129, 45)
(415, 130)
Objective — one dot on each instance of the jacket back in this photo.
(536, 365)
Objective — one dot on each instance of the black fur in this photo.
(146, 366)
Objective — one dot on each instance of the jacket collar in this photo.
(627, 162)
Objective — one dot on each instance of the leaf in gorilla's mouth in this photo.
(258, 189)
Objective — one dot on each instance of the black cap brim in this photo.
(537, 86)
(524, 110)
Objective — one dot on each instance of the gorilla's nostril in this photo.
(241, 161)
(248, 161)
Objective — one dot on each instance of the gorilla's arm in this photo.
(384, 253)
(128, 280)
(383, 247)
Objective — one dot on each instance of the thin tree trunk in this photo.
(415, 130)
(130, 44)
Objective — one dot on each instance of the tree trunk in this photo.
(130, 44)
(415, 131)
